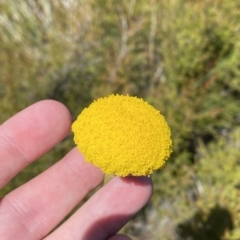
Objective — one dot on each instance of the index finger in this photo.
(29, 134)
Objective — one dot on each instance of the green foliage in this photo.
(219, 170)
(203, 203)
(181, 56)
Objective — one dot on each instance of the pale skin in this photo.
(33, 210)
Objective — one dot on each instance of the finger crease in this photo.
(14, 146)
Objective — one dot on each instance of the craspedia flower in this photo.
(123, 135)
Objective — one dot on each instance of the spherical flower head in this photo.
(123, 135)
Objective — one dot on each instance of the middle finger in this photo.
(42, 203)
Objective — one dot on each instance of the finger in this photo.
(29, 134)
(34, 209)
(119, 237)
(107, 211)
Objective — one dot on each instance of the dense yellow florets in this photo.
(123, 135)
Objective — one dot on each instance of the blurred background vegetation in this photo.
(182, 56)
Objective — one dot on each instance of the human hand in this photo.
(33, 210)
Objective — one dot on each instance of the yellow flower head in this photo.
(123, 135)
